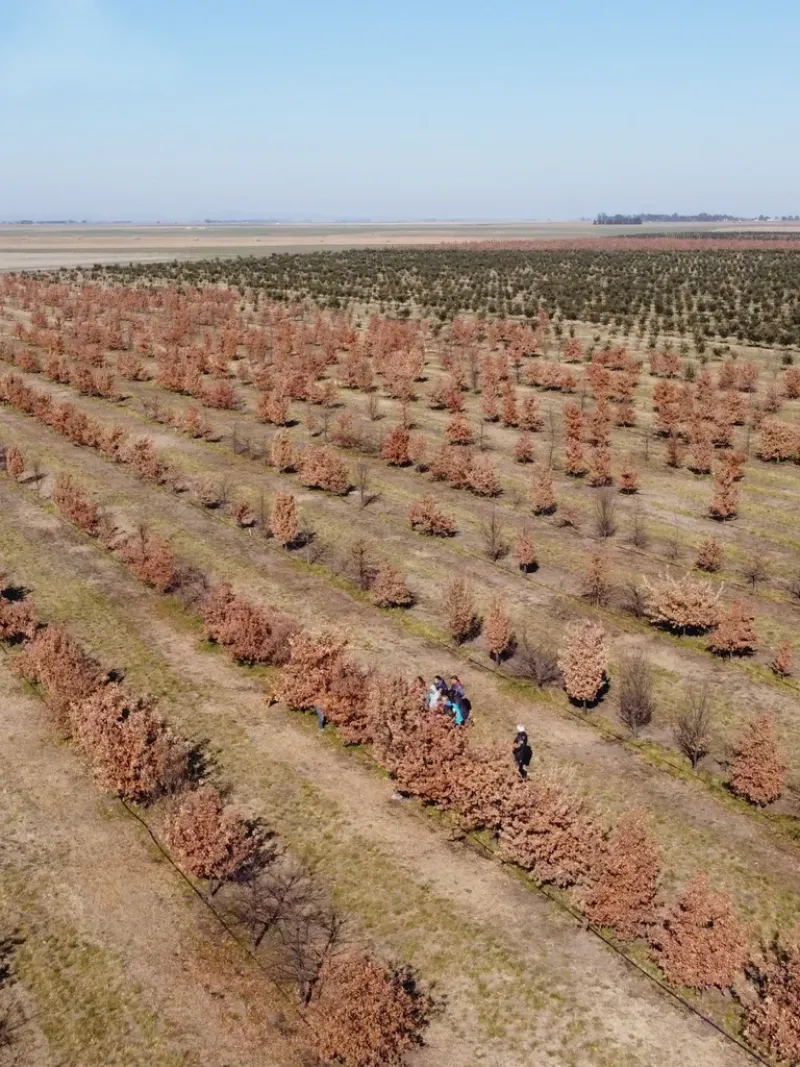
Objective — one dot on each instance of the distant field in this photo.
(44, 247)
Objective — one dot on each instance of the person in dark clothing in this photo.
(523, 753)
(463, 707)
(456, 689)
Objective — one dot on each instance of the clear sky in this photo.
(165, 109)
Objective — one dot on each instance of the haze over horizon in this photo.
(129, 109)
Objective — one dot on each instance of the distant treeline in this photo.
(636, 220)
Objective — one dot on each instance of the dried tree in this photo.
(284, 519)
(209, 839)
(426, 516)
(583, 661)
(693, 726)
(725, 502)
(772, 1015)
(628, 478)
(758, 772)
(700, 943)
(686, 605)
(595, 581)
(710, 555)
(525, 551)
(625, 880)
(366, 1014)
(395, 448)
(460, 610)
(636, 686)
(549, 829)
(63, 669)
(389, 589)
(15, 464)
(543, 496)
(493, 535)
(134, 754)
(783, 663)
(151, 559)
(497, 630)
(735, 633)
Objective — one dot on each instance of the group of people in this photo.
(450, 699)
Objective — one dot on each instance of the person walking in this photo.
(523, 753)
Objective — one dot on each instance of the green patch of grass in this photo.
(86, 1005)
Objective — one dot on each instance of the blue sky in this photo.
(165, 109)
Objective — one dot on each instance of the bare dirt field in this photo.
(44, 246)
(522, 970)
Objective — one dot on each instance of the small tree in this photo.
(209, 839)
(735, 633)
(134, 754)
(700, 943)
(755, 570)
(710, 555)
(628, 478)
(284, 519)
(596, 583)
(497, 630)
(548, 828)
(686, 605)
(367, 1014)
(772, 1016)
(58, 663)
(322, 468)
(458, 431)
(151, 559)
(693, 726)
(605, 514)
(15, 464)
(460, 609)
(783, 663)
(758, 772)
(282, 454)
(396, 447)
(725, 502)
(525, 551)
(524, 450)
(583, 661)
(636, 685)
(623, 892)
(426, 516)
(493, 535)
(543, 496)
(389, 589)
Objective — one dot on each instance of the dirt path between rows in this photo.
(527, 962)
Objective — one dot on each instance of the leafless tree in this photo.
(363, 484)
(693, 728)
(636, 685)
(605, 514)
(373, 407)
(361, 563)
(755, 570)
(552, 426)
(537, 661)
(493, 534)
(674, 548)
(634, 599)
(639, 536)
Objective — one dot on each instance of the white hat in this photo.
(520, 728)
